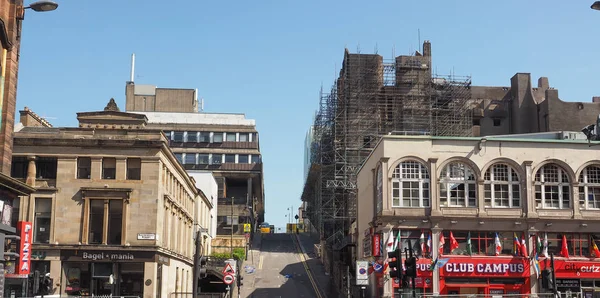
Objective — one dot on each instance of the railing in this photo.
(190, 295)
(539, 295)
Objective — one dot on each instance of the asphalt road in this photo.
(279, 270)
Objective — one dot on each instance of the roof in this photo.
(197, 118)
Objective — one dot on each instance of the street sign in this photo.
(247, 236)
(228, 269)
(228, 279)
(362, 273)
(247, 228)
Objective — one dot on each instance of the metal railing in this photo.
(539, 295)
(199, 295)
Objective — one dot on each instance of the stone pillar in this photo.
(387, 286)
(387, 193)
(121, 168)
(96, 170)
(31, 171)
(434, 191)
(480, 196)
(150, 275)
(527, 185)
(435, 243)
(575, 200)
(531, 243)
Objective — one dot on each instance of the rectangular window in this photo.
(179, 157)
(96, 222)
(43, 214)
(230, 137)
(243, 137)
(19, 167)
(46, 168)
(178, 136)
(203, 159)
(134, 169)
(255, 158)
(217, 137)
(109, 168)
(115, 221)
(192, 137)
(15, 211)
(230, 158)
(217, 159)
(190, 158)
(84, 168)
(204, 137)
(168, 135)
(220, 186)
(482, 243)
(243, 158)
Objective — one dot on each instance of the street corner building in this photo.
(485, 216)
(113, 212)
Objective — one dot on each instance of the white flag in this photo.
(545, 249)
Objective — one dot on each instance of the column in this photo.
(31, 170)
(150, 274)
(96, 171)
(531, 243)
(121, 168)
(527, 184)
(387, 193)
(575, 200)
(435, 243)
(480, 197)
(387, 287)
(434, 191)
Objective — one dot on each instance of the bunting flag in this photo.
(497, 245)
(453, 243)
(524, 247)
(442, 242)
(545, 249)
(595, 253)
(564, 251)
(516, 245)
(469, 246)
(422, 242)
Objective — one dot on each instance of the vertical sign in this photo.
(376, 245)
(26, 234)
(362, 273)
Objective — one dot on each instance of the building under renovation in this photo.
(373, 97)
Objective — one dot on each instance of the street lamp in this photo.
(596, 5)
(43, 5)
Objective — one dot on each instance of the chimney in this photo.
(427, 48)
(596, 99)
(29, 118)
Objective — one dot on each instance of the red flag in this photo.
(442, 242)
(564, 251)
(453, 243)
(594, 248)
(524, 246)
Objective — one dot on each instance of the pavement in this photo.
(277, 268)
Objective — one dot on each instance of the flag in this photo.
(516, 244)
(429, 243)
(545, 249)
(594, 248)
(469, 246)
(524, 246)
(433, 264)
(422, 240)
(536, 265)
(397, 241)
(453, 243)
(564, 251)
(497, 245)
(442, 242)
(539, 246)
(390, 243)
(438, 263)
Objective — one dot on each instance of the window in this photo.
(84, 168)
(192, 137)
(15, 211)
(96, 224)
(168, 135)
(457, 186)
(255, 158)
(134, 169)
(410, 185)
(552, 189)
(203, 159)
(589, 188)
(244, 137)
(418, 240)
(115, 221)
(109, 168)
(178, 136)
(204, 137)
(179, 157)
(230, 158)
(218, 137)
(243, 158)
(220, 186)
(497, 122)
(482, 243)
(42, 216)
(230, 136)
(379, 189)
(578, 244)
(19, 167)
(46, 167)
(502, 187)
(190, 158)
(217, 159)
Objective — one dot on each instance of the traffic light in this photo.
(202, 266)
(547, 279)
(46, 287)
(411, 267)
(396, 264)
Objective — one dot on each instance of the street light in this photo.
(43, 5)
(596, 5)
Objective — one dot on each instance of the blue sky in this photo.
(268, 59)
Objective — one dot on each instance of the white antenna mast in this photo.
(131, 74)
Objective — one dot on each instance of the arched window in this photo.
(379, 189)
(501, 186)
(458, 187)
(552, 188)
(410, 185)
(589, 188)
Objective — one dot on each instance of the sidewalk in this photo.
(316, 267)
(249, 267)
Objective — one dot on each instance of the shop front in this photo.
(575, 278)
(116, 273)
(484, 276)
(423, 281)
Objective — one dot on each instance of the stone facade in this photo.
(108, 196)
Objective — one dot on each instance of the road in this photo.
(280, 270)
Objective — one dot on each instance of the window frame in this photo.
(489, 180)
(585, 186)
(46, 215)
(541, 185)
(80, 168)
(106, 221)
(404, 173)
(446, 180)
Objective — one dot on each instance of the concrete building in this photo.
(225, 144)
(206, 183)
(495, 191)
(114, 212)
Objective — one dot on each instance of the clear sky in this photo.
(268, 59)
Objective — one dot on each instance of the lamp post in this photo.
(42, 6)
(596, 5)
(231, 240)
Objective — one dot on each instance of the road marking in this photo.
(303, 260)
(260, 262)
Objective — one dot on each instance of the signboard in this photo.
(107, 256)
(362, 273)
(568, 284)
(488, 267)
(146, 236)
(376, 252)
(247, 228)
(228, 279)
(228, 269)
(367, 244)
(566, 269)
(25, 231)
(265, 230)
